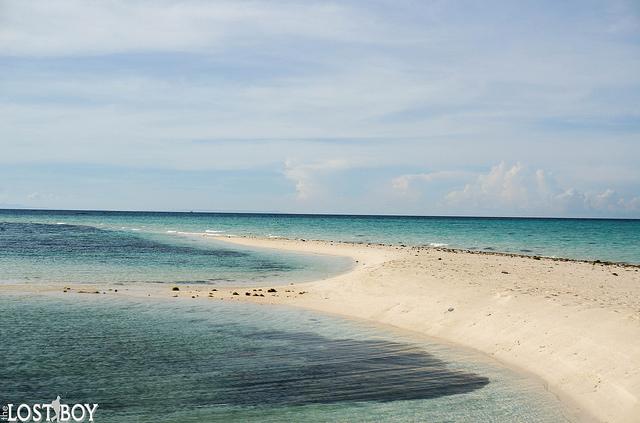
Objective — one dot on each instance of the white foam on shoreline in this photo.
(190, 233)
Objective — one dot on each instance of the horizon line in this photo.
(314, 214)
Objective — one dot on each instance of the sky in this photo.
(494, 108)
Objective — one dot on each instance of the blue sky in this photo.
(395, 107)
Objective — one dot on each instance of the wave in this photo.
(437, 244)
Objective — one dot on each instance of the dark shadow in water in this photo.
(316, 369)
(135, 361)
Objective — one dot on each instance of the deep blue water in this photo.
(34, 252)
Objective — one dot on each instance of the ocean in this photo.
(42, 251)
(615, 240)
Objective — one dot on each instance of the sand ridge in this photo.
(573, 324)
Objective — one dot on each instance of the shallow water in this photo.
(202, 360)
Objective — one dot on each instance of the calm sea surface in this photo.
(590, 239)
(201, 361)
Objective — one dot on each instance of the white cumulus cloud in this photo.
(520, 190)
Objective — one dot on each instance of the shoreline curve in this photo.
(574, 324)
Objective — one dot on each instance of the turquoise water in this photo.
(203, 361)
(589, 239)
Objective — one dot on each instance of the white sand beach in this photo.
(574, 325)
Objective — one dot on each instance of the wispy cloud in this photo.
(245, 85)
(403, 183)
(305, 175)
(141, 26)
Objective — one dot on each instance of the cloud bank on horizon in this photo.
(403, 107)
